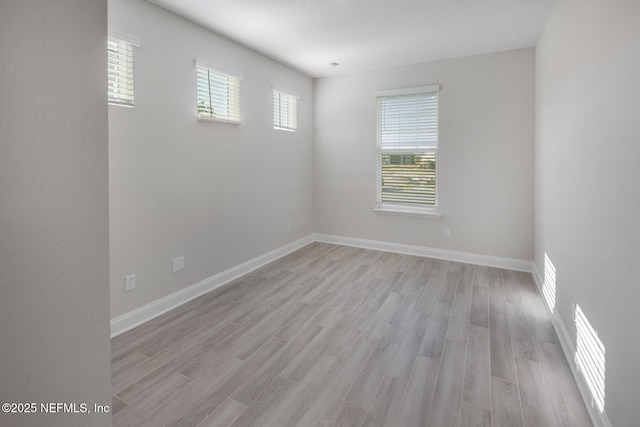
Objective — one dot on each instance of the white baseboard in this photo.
(156, 308)
(568, 348)
(152, 310)
(466, 257)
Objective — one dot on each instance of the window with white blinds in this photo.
(120, 70)
(407, 147)
(218, 94)
(285, 111)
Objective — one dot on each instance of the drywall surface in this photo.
(54, 298)
(587, 181)
(215, 193)
(485, 155)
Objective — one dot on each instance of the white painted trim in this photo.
(409, 90)
(285, 91)
(214, 119)
(202, 64)
(568, 348)
(386, 209)
(156, 308)
(466, 257)
(152, 310)
(131, 39)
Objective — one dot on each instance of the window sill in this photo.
(215, 120)
(408, 211)
(284, 129)
(121, 103)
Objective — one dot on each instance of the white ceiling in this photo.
(368, 34)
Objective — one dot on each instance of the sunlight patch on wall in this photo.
(590, 357)
(549, 286)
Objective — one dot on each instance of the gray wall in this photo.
(217, 194)
(485, 157)
(54, 298)
(588, 180)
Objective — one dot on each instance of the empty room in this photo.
(319, 213)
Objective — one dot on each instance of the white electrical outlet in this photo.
(288, 226)
(177, 264)
(129, 282)
(447, 233)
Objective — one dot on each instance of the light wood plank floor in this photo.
(338, 336)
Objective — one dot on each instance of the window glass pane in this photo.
(408, 178)
(218, 95)
(407, 146)
(285, 111)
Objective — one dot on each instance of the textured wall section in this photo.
(54, 300)
(485, 157)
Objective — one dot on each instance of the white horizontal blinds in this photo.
(218, 95)
(407, 146)
(204, 95)
(408, 178)
(408, 122)
(120, 71)
(285, 111)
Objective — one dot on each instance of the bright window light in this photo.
(285, 111)
(407, 137)
(590, 357)
(120, 70)
(218, 94)
(549, 286)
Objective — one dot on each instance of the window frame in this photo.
(234, 82)
(412, 209)
(130, 42)
(289, 98)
